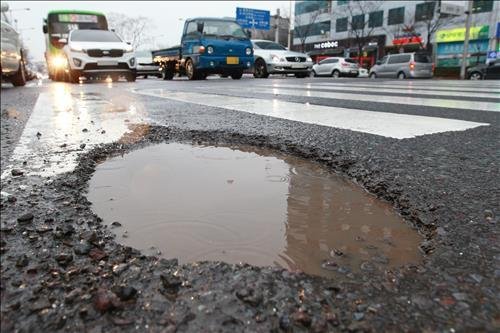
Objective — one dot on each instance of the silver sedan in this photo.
(273, 58)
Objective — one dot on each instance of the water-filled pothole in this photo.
(245, 204)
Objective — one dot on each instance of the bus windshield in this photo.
(60, 24)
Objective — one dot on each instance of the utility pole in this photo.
(466, 40)
(290, 26)
(277, 23)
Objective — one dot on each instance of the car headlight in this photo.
(59, 61)
(129, 49)
(248, 51)
(275, 58)
(309, 59)
(210, 49)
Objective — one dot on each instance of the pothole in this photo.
(245, 204)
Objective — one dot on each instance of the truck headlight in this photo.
(210, 49)
(248, 51)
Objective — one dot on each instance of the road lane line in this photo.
(65, 120)
(380, 90)
(443, 103)
(392, 125)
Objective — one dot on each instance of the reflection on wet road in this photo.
(242, 204)
(66, 121)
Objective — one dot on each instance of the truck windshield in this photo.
(223, 28)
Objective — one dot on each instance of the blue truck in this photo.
(208, 46)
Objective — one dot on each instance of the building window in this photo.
(311, 6)
(341, 25)
(396, 16)
(358, 22)
(424, 11)
(376, 19)
(314, 29)
(342, 2)
(481, 6)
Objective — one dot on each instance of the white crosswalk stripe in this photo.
(393, 125)
(378, 90)
(443, 103)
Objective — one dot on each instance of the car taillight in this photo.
(412, 66)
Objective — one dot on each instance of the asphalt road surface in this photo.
(430, 147)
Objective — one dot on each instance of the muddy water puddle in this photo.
(244, 204)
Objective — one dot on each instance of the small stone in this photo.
(16, 172)
(82, 249)
(105, 300)
(97, 254)
(64, 145)
(22, 261)
(85, 130)
(171, 282)
(64, 259)
(103, 131)
(488, 214)
(125, 293)
(302, 318)
(38, 134)
(329, 265)
(460, 296)
(25, 218)
(336, 252)
(250, 296)
(116, 224)
(118, 269)
(367, 266)
(358, 316)
(11, 199)
(82, 145)
(476, 277)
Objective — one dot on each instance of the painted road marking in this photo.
(443, 103)
(66, 118)
(393, 125)
(377, 90)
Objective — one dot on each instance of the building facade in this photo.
(367, 30)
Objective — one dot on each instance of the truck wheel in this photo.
(191, 71)
(167, 74)
(301, 75)
(19, 79)
(237, 75)
(260, 69)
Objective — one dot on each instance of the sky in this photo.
(166, 16)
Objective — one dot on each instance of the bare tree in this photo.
(135, 30)
(303, 27)
(428, 22)
(359, 23)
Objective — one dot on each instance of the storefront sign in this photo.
(492, 55)
(326, 45)
(458, 35)
(407, 40)
(498, 30)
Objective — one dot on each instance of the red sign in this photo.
(407, 40)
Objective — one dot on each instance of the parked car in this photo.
(98, 54)
(273, 58)
(489, 71)
(145, 64)
(12, 60)
(336, 67)
(403, 65)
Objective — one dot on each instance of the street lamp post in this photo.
(466, 41)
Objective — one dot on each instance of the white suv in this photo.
(336, 67)
(98, 54)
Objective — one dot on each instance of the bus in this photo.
(56, 28)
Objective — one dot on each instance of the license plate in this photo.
(354, 72)
(107, 63)
(299, 66)
(232, 60)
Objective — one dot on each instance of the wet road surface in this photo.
(428, 147)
